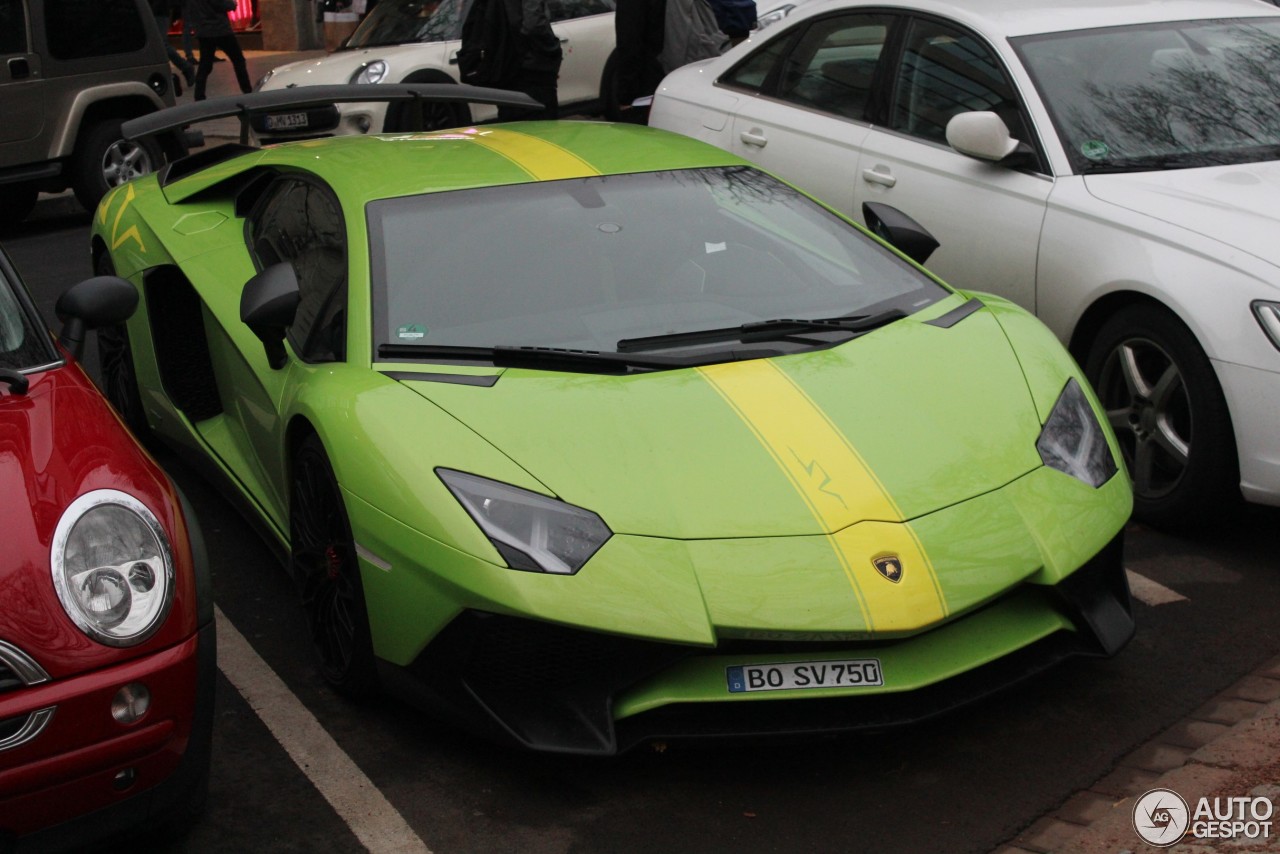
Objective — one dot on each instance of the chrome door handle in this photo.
(755, 137)
(879, 175)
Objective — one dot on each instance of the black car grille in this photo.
(9, 680)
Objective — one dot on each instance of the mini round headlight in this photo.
(371, 72)
(112, 567)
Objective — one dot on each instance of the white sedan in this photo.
(1114, 167)
(417, 41)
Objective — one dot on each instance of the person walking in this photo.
(213, 33)
(638, 32)
(509, 44)
(163, 11)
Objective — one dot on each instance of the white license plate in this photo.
(284, 121)
(792, 675)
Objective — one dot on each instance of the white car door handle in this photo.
(755, 137)
(879, 175)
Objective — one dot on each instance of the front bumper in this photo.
(1253, 398)
(567, 690)
(87, 777)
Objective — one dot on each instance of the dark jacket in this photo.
(209, 17)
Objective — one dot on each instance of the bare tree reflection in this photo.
(1200, 95)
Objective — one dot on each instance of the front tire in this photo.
(104, 159)
(324, 567)
(1166, 406)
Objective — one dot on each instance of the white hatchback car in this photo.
(1115, 167)
(417, 41)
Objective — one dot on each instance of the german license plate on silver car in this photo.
(791, 675)
(286, 121)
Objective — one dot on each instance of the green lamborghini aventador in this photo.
(591, 434)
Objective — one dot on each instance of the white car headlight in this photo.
(1268, 314)
(530, 531)
(1073, 441)
(262, 81)
(371, 72)
(112, 567)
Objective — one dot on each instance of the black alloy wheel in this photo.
(1166, 407)
(324, 567)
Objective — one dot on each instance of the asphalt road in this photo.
(967, 782)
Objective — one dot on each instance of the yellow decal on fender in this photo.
(130, 233)
(542, 160)
(840, 491)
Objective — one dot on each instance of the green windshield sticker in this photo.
(411, 332)
(1094, 149)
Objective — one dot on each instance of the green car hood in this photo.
(890, 426)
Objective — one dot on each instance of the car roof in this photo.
(1012, 18)
(365, 168)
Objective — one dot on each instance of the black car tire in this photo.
(325, 568)
(1166, 406)
(104, 159)
(16, 201)
(119, 378)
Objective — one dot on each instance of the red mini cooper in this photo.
(106, 616)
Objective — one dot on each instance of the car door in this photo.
(813, 91)
(585, 30)
(21, 101)
(297, 221)
(987, 217)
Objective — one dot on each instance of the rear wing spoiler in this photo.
(256, 103)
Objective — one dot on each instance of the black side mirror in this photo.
(96, 302)
(268, 305)
(896, 228)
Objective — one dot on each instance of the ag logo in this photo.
(1161, 817)
(890, 566)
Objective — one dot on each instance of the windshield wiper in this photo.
(763, 330)
(545, 358)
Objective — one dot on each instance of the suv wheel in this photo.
(105, 160)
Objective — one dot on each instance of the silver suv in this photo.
(70, 72)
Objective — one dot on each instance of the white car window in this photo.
(944, 72)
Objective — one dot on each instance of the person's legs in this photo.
(231, 47)
(179, 62)
(188, 40)
(207, 47)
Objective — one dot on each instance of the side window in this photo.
(833, 64)
(300, 222)
(567, 10)
(79, 29)
(946, 71)
(753, 72)
(13, 27)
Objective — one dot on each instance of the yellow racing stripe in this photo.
(542, 160)
(840, 491)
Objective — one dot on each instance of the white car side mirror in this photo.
(981, 134)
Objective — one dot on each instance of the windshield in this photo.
(1162, 96)
(24, 343)
(394, 22)
(585, 263)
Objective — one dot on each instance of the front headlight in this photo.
(1073, 441)
(1268, 314)
(529, 530)
(262, 81)
(372, 72)
(112, 567)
